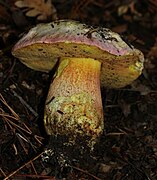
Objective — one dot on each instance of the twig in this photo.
(85, 172)
(38, 139)
(33, 168)
(17, 126)
(16, 152)
(2, 172)
(115, 134)
(10, 175)
(8, 116)
(5, 103)
(8, 119)
(30, 132)
(36, 176)
(25, 103)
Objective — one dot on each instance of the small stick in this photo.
(115, 134)
(25, 103)
(2, 172)
(85, 172)
(23, 166)
(8, 116)
(36, 176)
(5, 103)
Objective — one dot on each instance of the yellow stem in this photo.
(74, 106)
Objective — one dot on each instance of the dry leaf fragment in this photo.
(105, 168)
(123, 9)
(40, 8)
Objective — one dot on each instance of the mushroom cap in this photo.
(44, 44)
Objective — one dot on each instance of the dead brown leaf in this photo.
(105, 168)
(4, 15)
(38, 8)
(123, 9)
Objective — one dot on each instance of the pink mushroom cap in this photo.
(44, 44)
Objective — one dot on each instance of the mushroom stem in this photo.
(74, 106)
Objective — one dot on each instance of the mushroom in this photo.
(87, 57)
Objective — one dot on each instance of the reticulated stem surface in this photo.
(74, 105)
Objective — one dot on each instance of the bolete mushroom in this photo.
(87, 57)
